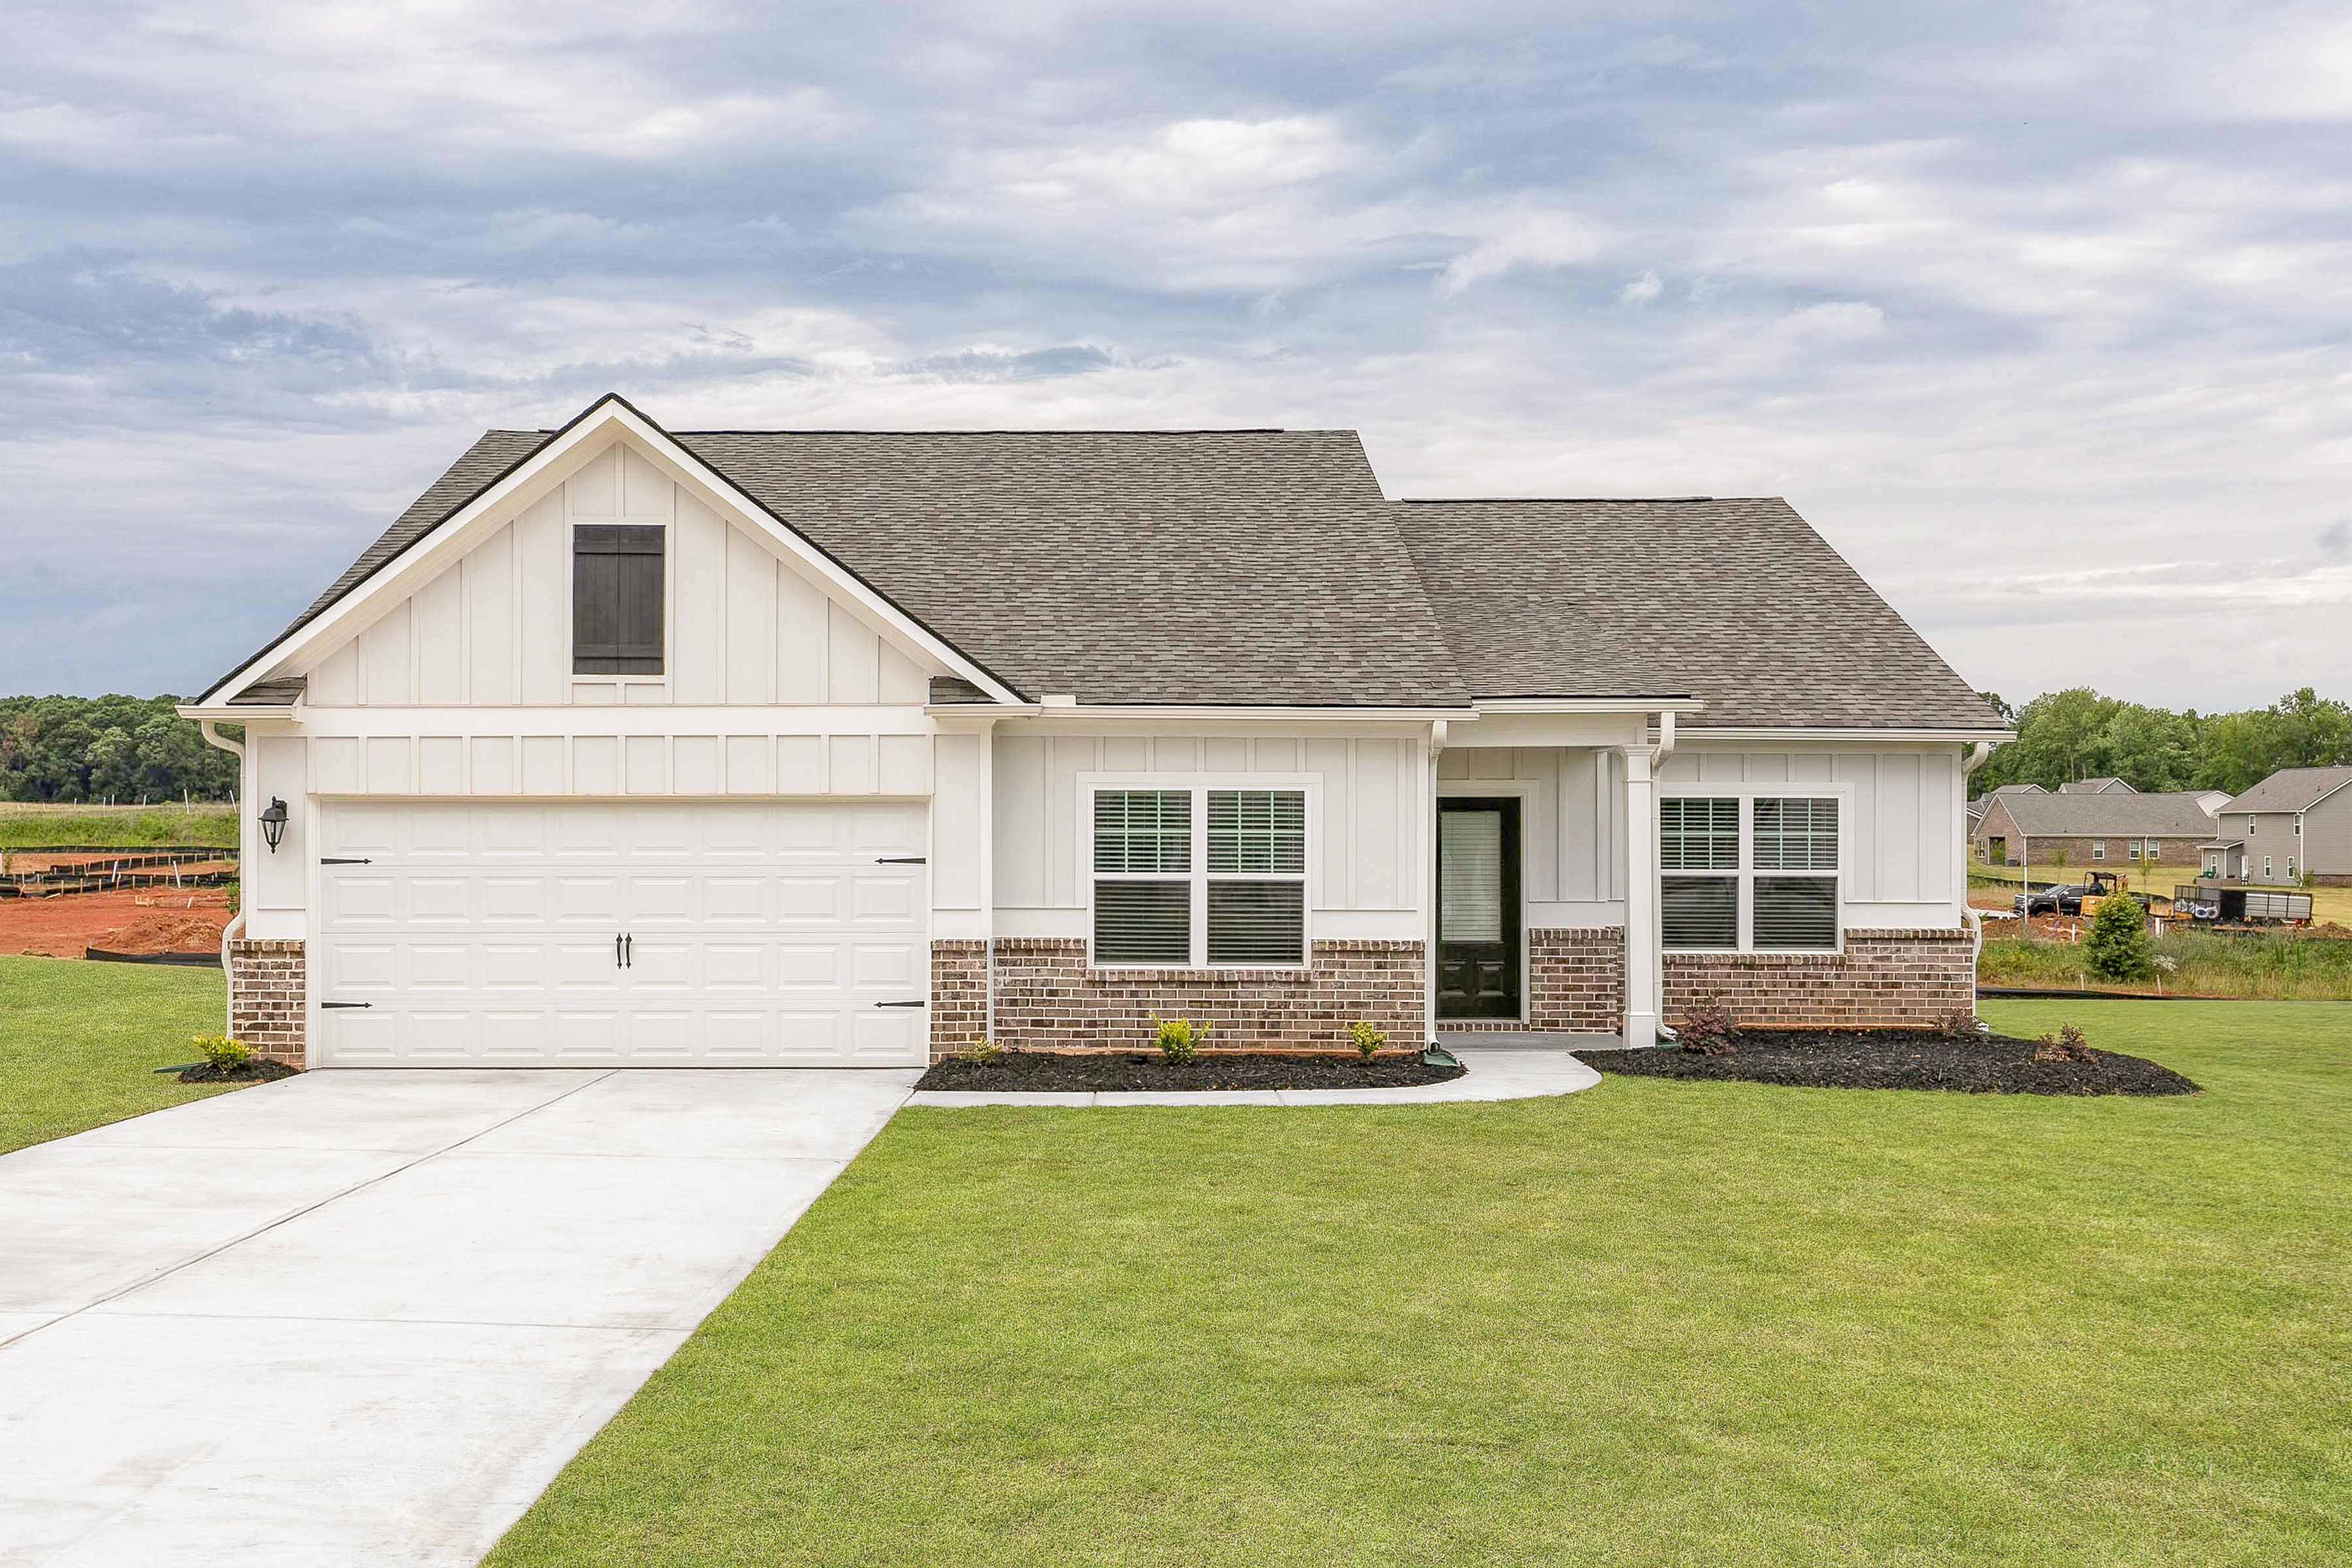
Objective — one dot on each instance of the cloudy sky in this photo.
(2039, 312)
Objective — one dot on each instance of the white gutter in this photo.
(1077, 713)
(236, 926)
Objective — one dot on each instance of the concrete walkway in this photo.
(1514, 1071)
(361, 1318)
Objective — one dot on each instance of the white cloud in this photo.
(1539, 240)
(1643, 290)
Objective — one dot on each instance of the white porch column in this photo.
(1644, 970)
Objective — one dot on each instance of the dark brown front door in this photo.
(1478, 907)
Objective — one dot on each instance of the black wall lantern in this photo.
(273, 822)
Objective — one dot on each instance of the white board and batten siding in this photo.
(1905, 834)
(1368, 799)
(746, 628)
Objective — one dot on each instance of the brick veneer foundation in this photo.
(265, 990)
(959, 996)
(1576, 981)
(1884, 980)
(1047, 997)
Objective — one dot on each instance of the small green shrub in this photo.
(221, 1052)
(1368, 1039)
(2117, 947)
(1709, 1028)
(1178, 1038)
(981, 1052)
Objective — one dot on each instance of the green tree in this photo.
(2118, 946)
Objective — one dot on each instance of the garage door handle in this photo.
(901, 860)
(333, 860)
(902, 1004)
(346, 1003)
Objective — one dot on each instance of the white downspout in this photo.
(236, 926)
(1429, 885)
(1657, 907)
(1975, 923)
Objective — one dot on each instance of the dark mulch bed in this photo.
(1045, 1071)
(253, 1071)
(1897, 1058)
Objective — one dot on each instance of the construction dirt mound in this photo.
(164, 930)
(125, 921)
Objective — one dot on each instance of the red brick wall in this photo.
(1047, 999)
(959, 996)
(265, 989)
(1884, 979)
(1576, 981)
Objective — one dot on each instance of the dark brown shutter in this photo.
(616, 599)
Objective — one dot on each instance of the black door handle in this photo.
(629, 949)
(616, 950)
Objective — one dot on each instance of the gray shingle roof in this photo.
(2292, 789)
(1737, 603)
(2167, 815)
(1264, 567)
(1213, 566)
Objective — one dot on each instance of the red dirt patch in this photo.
(126, 921)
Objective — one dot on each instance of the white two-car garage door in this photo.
(621, 934)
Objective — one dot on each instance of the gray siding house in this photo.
(2296, 824)
(2031, 828)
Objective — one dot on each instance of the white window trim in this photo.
(2098, 849)
(1200, 784)
(1748, 795)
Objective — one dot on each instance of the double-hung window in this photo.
(1200, 878)
(1748, 873)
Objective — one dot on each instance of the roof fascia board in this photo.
(720, 493)
(1588, 705)
(1066, 714)
(1693, 734)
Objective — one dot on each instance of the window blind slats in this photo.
(1696, 834)
(1257, 830)
(1143, 922)
(1470, 876)
(1795, 911)
(1796, 835)
(1700, 913)
(1143, 830)
(1258, 922)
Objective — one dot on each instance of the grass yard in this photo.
(116, 826)
(1656, 1323)
(78, 1041)
(2206, 964)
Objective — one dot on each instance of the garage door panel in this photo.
(734, 967)
(666, 899)
(361, 902)
(761, 934)
(587, 898)
(440, 966)
(516, 899)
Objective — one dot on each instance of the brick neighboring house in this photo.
(2295, 823)
(2081, 829)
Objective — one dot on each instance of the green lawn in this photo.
(118, 826)
(78, 1041)
(1656, 1322)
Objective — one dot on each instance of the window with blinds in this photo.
(1725, 880)
(616, 598)
(1240, 899)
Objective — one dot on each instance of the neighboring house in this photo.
(1977, 807)
(2087, 830)
(627, 748)
(2096, 786)
(2295, 823)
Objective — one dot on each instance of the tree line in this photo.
(2079, 734)
(127, 750)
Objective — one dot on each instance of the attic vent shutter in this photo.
(616, 599)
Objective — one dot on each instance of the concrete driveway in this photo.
(363, 1318)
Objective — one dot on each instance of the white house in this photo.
(628, 747)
